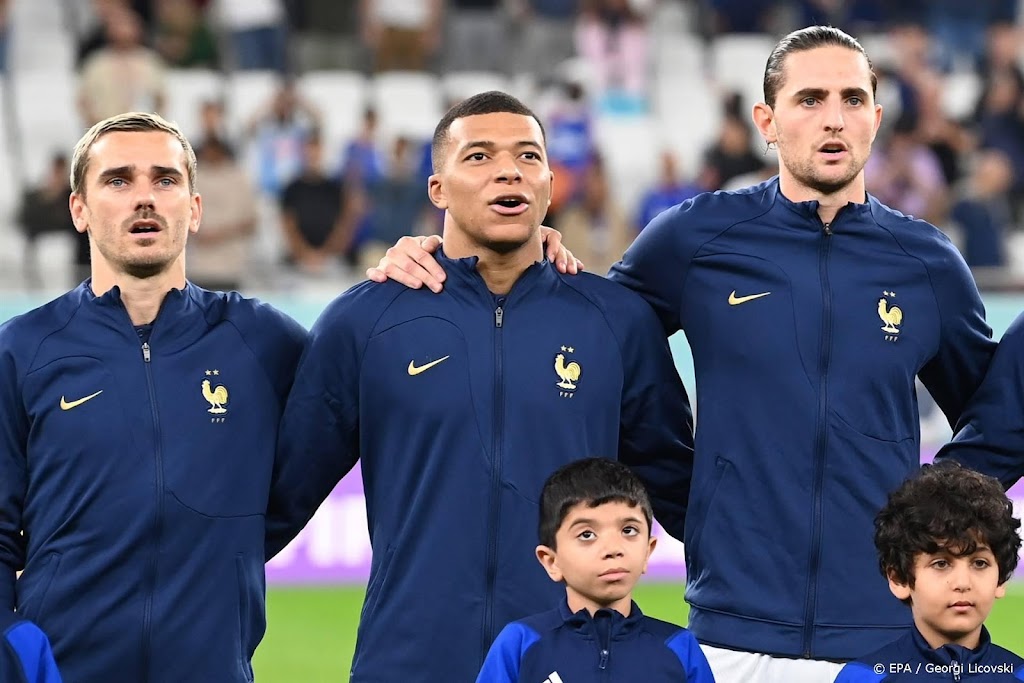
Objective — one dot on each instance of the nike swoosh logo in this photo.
(413, 370)
(737, 300)
(68, 405)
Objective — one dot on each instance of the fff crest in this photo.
(568, 372)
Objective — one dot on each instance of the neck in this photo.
(828, 204)
(500, 270)
(936, 639)
(141, 296)
(576, 601)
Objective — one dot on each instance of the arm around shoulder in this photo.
(13, 470)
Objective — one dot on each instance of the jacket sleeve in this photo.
(26, 656)
(318, 439)
(990, 435)
(655, 265)
(965, 339)
(687, 649)
(656, 434)
(13, 472)
(506, 654)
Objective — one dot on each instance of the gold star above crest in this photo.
(208, 373)
(216, 372)
(563, 348)
(572, 350)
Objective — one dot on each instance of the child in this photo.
(595, 533)
(947, 541)
(25, 655)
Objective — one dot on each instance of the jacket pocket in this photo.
(248, 614)
(700, 515)
(34, 585)
(373, 590)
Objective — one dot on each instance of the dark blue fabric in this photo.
(25, 654)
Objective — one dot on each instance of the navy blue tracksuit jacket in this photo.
(459, 406)
(140, 474)
(806, 339)
(607, 647)
(910, 659)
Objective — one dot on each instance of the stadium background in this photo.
(642, 99)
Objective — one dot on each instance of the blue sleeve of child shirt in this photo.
(687, 649)
(506, 654)
(855, 672)
(32, 653)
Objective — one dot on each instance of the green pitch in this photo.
(312, 631)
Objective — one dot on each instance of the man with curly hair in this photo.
(947, 542)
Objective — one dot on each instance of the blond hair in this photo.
(134, 122)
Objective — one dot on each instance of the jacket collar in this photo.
(583, 622)
(951, 652)
(465, 270)
(180, 321)
(809, 210)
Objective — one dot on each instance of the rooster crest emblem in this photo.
(217, 396)
(891, 316)
(568, 374)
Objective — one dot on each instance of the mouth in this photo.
(962, 606)
(833, 150)
(614, 574)
(510, 204)
(145, 227)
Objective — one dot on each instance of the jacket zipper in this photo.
(157, 520)
(821, 438)
(603, 622)
(495, 511)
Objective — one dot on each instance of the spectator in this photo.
(317, 216)
(398, 201)
(219, 253)
(475, 36)
(906, 175)
(612, 37)
(401, 34)
(183, 38)
(5, 11)
(595, 226)
(739, 16)
(279, 130)
(670, 190)
(570, 146)
(983, 212)
(44, 210)
(213, 126)
(546, 30)
(732, 154)
(124, 75)
(256, 31)
(327, 35)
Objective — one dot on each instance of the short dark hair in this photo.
(593, 482)
(945, 507)
(808, 39)
(490, 102)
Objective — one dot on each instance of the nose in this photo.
(143, 197)
(507, 170)
(960, 578)
(612, 550)
(834, 116)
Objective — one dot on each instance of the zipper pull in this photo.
(604, 660)
(827, 228)
(145, 352)
(498, 313)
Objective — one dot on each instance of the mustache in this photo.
(145, 216)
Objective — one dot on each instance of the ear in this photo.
(764, 119)
(1001, 590)
(79, 212)
(878, 121)
(652, 542)
(436, 192)
(551, 185)
(548, 559)
(197, 213)
(900, 590)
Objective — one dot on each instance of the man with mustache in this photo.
(138, 421)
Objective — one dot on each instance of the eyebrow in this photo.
(128, 170)
(593, 522)
(822, 93)
(488, 144)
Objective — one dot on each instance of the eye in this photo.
(809, 101)
(116, 182)
(533, 156)
(476, 156)
(940, 564)
(630, 531)
(981, 563)
(167, 182)
(855, 101)
(587, 535)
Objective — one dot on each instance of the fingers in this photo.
(410, 262)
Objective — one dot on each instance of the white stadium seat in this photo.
(187, 89)
(408, 103)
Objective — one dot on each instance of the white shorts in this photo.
(734, 666)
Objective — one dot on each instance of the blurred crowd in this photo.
(950, 77)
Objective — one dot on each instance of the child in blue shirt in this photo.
(25, 655)
(947, 542)
(595, 533)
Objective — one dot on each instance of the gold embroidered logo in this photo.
(217, 396)
(892, 316)
(737, 300)
(68, 405)
(413, 370)
(568, 374)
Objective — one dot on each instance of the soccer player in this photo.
(595, 535)
(459, 406)
(809, 308)
(947, 543)
(138, 421)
